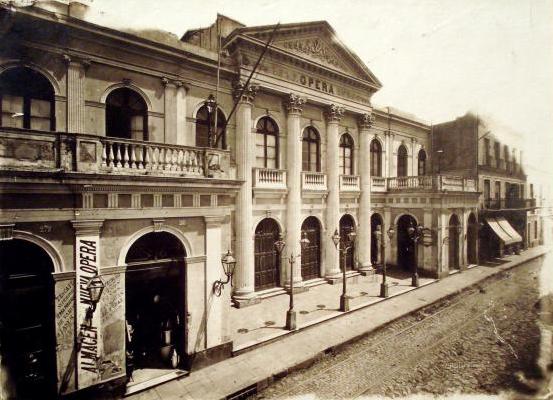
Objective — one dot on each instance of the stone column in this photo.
(170, 108)
(76, 68)
(244, 283)
(181, 113)
(364, 230)
(332, 263)
(390, 244)
(87, 257)
(293, 106)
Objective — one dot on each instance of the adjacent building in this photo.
(135, 160)
(479, 148)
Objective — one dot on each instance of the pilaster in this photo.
(182, 90)
(293, 105)
(333, 116)
(76, 72)
(365, 122)
(87, 266)
(244, 287)
(170, 110)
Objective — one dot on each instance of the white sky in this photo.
(435, 58)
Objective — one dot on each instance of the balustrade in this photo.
(313, 180)
(269, 178)
(349, 183)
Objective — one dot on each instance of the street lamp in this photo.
(280, 244)
(346, 245)
(380, 237)
(229, 263)
(415, 233)
(95, 288)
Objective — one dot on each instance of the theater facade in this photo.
(120, 194)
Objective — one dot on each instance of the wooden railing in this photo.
(313, 181)
(349, 183)
(269, 178)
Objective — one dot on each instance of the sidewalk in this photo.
(258, 366)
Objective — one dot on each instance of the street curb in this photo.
(265, 382)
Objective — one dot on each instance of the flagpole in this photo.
(217, 137)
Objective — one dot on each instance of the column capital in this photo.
(244, 94)
(87, 226)
(294, 103)
(71, 59)
(334, 113)
(213, 221)
(366, 121)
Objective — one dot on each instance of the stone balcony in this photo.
(349, 183)
(439, 183)
(378, 184)
(267, 178)
(313, 181)
(59, 151)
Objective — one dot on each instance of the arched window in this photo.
(402, 161)
(26, 100)
(205, 121)
(266, 143)
(311, 150)
(346, 154)
(422, 163)
(126, 115)
(376, 158)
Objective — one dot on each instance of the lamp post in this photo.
(229, 263)
(279, 244)
(415, 233)
(346, 245)
(382, 239)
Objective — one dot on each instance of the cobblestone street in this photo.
(475, 342)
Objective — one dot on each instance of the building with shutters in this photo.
(479, 148)
(112, 167)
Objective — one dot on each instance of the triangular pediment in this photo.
(316, 42)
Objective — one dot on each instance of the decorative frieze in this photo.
(244, 94)
(366, 121)
(294, 104)
(334, 113)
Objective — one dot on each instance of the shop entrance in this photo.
(155, 305)
(27, 342)
(405, 245)
(472, 237)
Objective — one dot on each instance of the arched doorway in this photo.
(347, 225)
(155, 302)
(27, 335)
(126, 115)
(453, 242)
(311, 256)
(267, 261)
(376, 220)
(405, 246)
(472, 238)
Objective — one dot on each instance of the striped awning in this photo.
(507, 227)
(503, 233)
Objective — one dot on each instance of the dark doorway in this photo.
(27, 338)
(347, 225)
(267, 261)
(453, 241)
(311, 256)
(155, 302)
(405, 246)
(472, 238)
(376, 220)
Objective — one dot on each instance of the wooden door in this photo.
(267, 261)
(311, 256)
